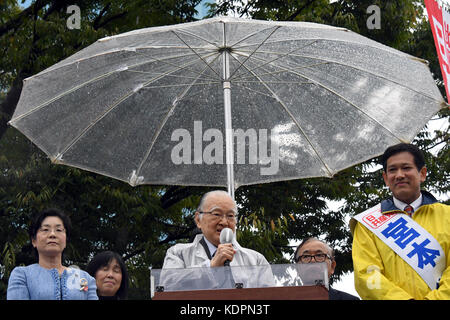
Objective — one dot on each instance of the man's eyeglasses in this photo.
(216, 215)
(306, 258)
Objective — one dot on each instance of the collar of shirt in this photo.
(212, 248)
(415, 204)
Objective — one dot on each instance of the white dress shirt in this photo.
(415, 204)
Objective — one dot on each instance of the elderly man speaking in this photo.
(217, 210)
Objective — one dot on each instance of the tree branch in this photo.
(96, 22)
(299, 10)
(108, 20)
(445, 140)
(15, 23)
(247, 6)
(56, 6)
(173, 195)
(8, 106)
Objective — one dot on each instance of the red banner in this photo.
(439, 17)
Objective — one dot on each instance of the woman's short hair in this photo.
(103, 259)
(38, 218)
(51, 212)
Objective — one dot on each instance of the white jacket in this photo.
(248, 267)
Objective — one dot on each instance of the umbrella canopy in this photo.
(226, 101)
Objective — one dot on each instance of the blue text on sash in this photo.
(404, 235)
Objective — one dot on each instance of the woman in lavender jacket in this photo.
(49, 279)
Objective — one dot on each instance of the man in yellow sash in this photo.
(393, 246)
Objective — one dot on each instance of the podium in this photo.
(272, 293)
(268, 282)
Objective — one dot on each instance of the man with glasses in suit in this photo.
(313, 250)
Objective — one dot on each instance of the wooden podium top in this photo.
(272, 293)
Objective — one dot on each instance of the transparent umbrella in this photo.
(226, 102)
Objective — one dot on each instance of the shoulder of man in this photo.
(253, 253)
(388, 204)
(180, 247)
(428, 198)
(183, 247)
(334, 294)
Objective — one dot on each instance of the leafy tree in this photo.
(105, 213)
(37, 37)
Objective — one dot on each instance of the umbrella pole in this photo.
(228, 126)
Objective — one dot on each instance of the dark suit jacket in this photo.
(334, 294)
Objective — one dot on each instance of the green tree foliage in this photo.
(38, 36)
(142, 222)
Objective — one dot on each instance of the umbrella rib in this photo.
(168, 114)
(342, 97)
(218, 75)
(382, 47)
(182, 85)
(242, 63)
(51, 69)
(278, 58)
(342, 64)
(212, 80)
(112, 107)
(201, 38)
(42, 105)
(160, 73)
(277, 82)
(279, 71)
(293, 119)
(252, 34)
(174, 65)
(241, 84)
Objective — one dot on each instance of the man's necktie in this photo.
(409, 210)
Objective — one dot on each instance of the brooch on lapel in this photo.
(83, 284)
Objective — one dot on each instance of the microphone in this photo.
(226, 236)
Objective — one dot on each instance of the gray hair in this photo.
(329, 249)
(210, 193)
